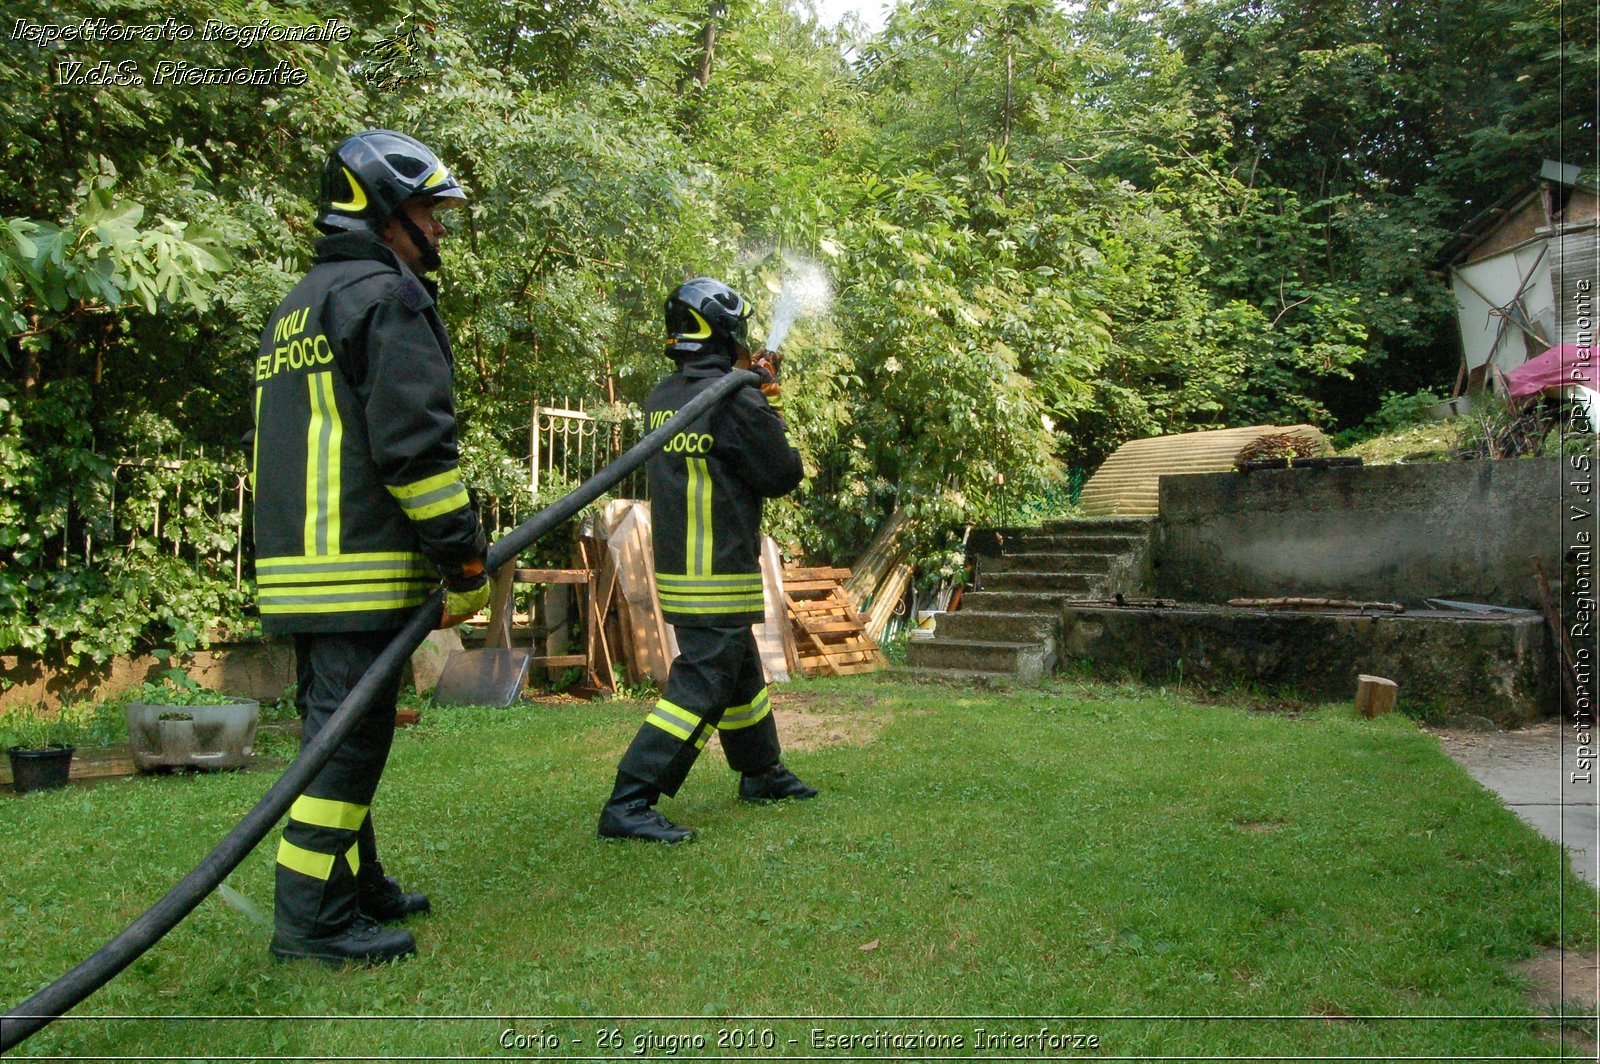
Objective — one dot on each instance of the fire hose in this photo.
(51, 1003)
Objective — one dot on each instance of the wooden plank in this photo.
(863, 667)
(832, 576)
(842, 645)
(795, 587)
(501, 607)
(552, 576)
(595, 559)
(559, 661)
(826, 627)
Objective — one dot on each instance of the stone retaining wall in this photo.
(1402, 533)
(257, 670)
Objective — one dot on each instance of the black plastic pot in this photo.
(40, 769)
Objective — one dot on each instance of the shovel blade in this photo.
(489, 677)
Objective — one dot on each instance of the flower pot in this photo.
(205, 737)
(39, 770)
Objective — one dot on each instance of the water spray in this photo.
(807, 291)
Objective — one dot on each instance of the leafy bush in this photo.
(177, 688)
(100, 556)
(1394, 413)
(74, 724)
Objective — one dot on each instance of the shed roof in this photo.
(1128, 484)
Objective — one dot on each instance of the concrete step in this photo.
(1075, 542)
(1025, 662)
(1061, 583)
(1036, 603)
(964, 677)
(970, 623)
(1053, 562)
(1139, 526)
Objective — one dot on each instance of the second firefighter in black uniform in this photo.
(707, 486)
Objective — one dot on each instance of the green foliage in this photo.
(75, 724)
(176, 687)
(160, 546)
(1394, 413)
(33, 729)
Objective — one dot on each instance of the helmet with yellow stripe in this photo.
(703, 314)
(369, 175)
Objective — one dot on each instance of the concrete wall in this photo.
(1401, 533)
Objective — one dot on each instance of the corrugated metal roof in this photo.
(1128, 483)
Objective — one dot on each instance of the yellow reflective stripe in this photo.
(426, 485)
(374, 559)
(697, 534)
(396, 600)
(432, 496)
(744, 716)
(306, 862)
(724, 582)
(669, 727)
(324, 440)
(255, 442)
(437, 177)
(358, 195)
(335, 483)
(712, 604)
(673, 719)
(328, 813)
(353, 855)
(407, 569)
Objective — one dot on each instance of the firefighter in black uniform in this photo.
(360, 511)
(706, 492)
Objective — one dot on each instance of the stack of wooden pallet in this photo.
(830, 638)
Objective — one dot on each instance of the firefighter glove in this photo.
(764, 364)
(466, 593)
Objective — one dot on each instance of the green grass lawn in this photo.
(1169, 878)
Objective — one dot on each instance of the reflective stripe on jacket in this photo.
(706, 492)
(358, 490)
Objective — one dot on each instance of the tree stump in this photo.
(1375, 695)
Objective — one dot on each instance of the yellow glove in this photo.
(463, 605)
(465, 593)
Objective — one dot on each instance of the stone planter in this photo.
(206, 737)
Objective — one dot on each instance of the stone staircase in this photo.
(1009, 623)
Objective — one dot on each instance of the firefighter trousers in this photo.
(716, 683)
(329, 847)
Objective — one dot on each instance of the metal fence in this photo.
(570, 444)
(193, 506)
(195, 503)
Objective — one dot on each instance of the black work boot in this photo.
(773, 785)
(636, 820)
(363, 942)
(384, 901)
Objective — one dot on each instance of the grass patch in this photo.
(1431, 441)
(1069, 850)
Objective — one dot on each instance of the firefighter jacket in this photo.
(358, 495)
(706, 492)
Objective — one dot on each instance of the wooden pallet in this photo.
(830, 636)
